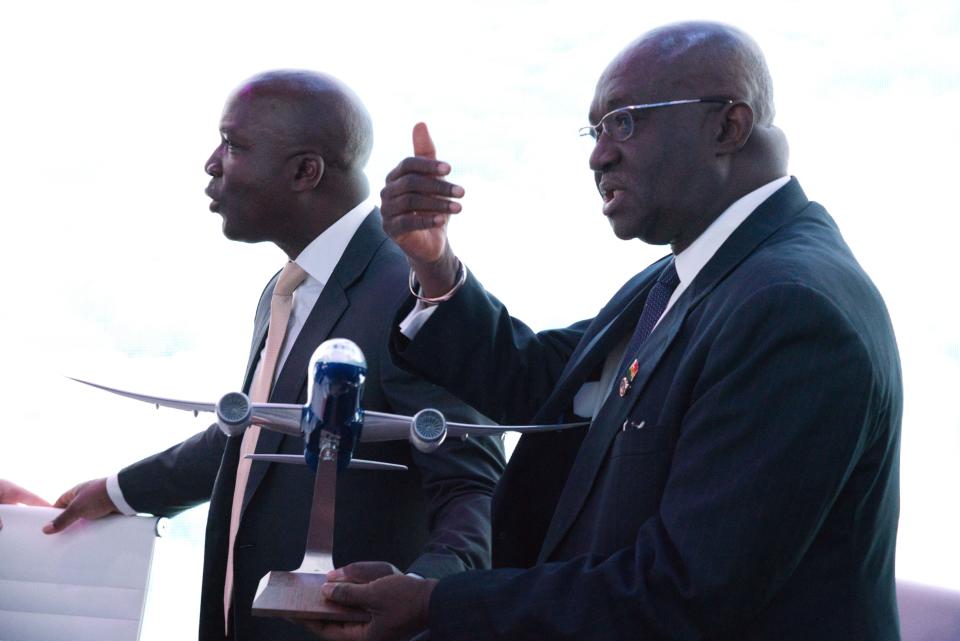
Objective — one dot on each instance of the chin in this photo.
(243, 235)
(621, 233)
(639, 225)
(227, 230)
(231, 232)
(625, 228)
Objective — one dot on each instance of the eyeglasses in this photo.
(618, 124)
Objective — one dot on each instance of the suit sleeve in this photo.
(476, 350)
(789, 400)
(458, 478)
(176, 479)
(182, 476)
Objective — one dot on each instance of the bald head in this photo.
(316, 112)
(701, 59)
(678, 166)
(291, 157)
(711, 59)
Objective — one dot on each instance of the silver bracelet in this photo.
(461, 279)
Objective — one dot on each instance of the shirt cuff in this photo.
(420, 314)
(116, 495)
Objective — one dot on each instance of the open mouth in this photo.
(610, 198)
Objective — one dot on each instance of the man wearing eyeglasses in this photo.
(739, 479)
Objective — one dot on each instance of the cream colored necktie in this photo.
(280, 306)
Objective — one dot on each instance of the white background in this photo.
(115, 270)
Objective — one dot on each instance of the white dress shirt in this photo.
(691, 260)
(318, 259)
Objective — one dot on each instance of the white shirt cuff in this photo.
(420, 314)
(116, 495)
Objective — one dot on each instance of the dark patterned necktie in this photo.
(653, 308)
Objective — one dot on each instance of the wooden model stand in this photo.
(296, 594)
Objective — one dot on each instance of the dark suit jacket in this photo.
(432, 520)
(758, 500)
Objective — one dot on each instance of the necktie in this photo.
(653, 308)
(280, 307)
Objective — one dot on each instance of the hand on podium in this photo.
(88, 500)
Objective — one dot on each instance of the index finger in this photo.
(362, 572)
(62, 521)
(419, 165)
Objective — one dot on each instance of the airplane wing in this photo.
(380, 426)
(468, 429)
(285, 418)
(281, 417)
(355, 464)
(158, 401)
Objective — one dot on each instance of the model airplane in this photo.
(332, 421)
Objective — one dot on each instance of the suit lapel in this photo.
(329, 308)
(597, 343)
(605, 426)
(759, 226)
(260, 327)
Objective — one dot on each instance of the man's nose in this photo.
(213, 166)
(606, 153)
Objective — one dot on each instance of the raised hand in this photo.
(88, 500)
(416, 206)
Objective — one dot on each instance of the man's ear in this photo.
(736, 125)
(308, 170)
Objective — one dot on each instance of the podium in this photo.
(87, 583)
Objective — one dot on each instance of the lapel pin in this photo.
(626, 380)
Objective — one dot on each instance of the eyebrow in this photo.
(617, 102)
(230, 132)
(592, 116)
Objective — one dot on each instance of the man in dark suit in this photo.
(289, 170)
(739, 480)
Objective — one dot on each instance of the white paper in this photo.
(87, 583)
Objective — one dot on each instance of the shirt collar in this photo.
(321, 256)
(691, 260)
